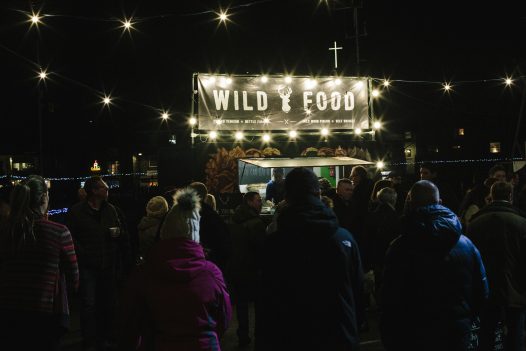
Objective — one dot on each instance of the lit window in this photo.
(494, 147)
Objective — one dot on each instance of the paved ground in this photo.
(369, 340)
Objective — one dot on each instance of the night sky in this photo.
(151, 68)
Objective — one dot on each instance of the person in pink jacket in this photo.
(177, 300)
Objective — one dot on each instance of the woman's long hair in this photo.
(26, 206)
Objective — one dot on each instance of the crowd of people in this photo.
(445, 273)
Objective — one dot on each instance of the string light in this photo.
(293, 134)
(213, 135)
(337, 81)
(127, 25)
(192, 121)
(239, 135)
(358, 85)
(266, 120)
(106, 100)
(222, 16)
(35, 19)
(264, 79)
(358, 131)
(266, 137)
(165, 115)
(375, 93)
(386, 83)
(288, 79)
(324, 132)
(377, 125)
(380, 164)
(42, 75)
(508, 81)
(447, 87)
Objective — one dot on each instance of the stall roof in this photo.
(305, 162)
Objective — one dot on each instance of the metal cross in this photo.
(336, 48)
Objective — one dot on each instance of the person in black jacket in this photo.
(434, 281)
(214, 234)
(248, 233)
(312, 275)
(499, 231)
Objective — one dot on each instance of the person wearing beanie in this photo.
(311, 275)
(176, 300)
(148, 227)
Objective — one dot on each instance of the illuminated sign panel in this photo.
(281, 103)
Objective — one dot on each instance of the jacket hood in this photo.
(433, 228)
(244, 213)
(148, 222)
(178, 260)
(307, 218)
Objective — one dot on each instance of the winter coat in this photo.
(95, 247)
(176, 301)
(248, 233)
(434, 283)
(382, 226)
(499, 231)
(148, 228)
(215, 237)
(311, 280)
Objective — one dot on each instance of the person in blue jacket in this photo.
(434, 281)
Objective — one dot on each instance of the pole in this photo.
(40, 127)
(357, 43)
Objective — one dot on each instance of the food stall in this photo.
(249, 124)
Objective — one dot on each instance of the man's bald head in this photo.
(424, 193)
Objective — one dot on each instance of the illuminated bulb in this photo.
(228, 81)
(508, 81)
(377, 125)
(239, 136)
(264, 79)
(35, 18)
(127, 24)
(447, 86)
(310, 83)
(217, 121)
(288, 79)
(386, 83)
(193, 121)
(266, 120)
(106, 100)
(324, 132)
(42, 75)
(358, 85)
(380, 164)
(139, 154)
(223, 17)
(212, 80)
(266, 138)
(308, 112)
(293, 134)
(375, 93)
(338, 81)
(358, 131)
(213, 135)
(165, 115)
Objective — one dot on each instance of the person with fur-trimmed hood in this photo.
(434, 282)
(177, 300)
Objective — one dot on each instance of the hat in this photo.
(301, 182)
(157, 207)
(182, 221)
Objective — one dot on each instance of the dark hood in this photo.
(244, 213)
(177, 260)
(308, 217)
(148, 222)
(433, 229)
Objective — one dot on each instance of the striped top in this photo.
(29, 280)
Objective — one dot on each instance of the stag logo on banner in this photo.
(284, 94)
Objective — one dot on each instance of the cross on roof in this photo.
(335, 48)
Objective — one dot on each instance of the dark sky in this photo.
(153, 65)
